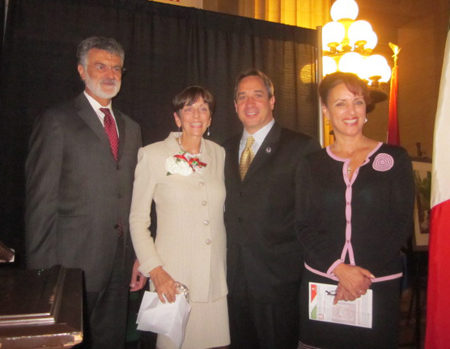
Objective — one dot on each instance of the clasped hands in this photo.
(353, 282)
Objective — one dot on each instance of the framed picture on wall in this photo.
(422, 180)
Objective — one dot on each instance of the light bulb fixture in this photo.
(333, 33)
(329, 65)
(344, 9)
(347, 46)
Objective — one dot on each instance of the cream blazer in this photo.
(190, 242)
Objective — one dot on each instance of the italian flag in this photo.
(438, 296)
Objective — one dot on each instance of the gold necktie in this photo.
(246, 157)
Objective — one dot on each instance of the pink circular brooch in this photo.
(383, 162)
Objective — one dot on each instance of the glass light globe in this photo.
(329, 65)
(386, 74)
(351, 62)
(332, 32)
(376, 65)
(359, 30)
(344, 9)
(372, 41)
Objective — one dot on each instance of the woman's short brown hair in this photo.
(351, 81)
(190, 95)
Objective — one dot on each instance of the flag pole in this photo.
(393, 134)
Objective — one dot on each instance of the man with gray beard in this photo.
(79, 179)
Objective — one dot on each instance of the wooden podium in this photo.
(41, 308)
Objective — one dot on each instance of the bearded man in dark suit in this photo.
(79, 178)
(264, 254)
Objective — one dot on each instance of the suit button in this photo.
(208, 242)
(118, 167)
(120, 196)
(240, 219)
(241, 193)
(206, 222)
(204, 203)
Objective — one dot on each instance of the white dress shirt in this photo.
(259, 137)
(96, 106)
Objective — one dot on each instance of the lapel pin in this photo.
(268, 150)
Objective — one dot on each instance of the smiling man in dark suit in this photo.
(264, 255)
(79, 179)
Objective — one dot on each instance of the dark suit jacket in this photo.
(260, 214)
(76, 192)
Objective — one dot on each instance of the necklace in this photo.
(349, 170)
(188, 153)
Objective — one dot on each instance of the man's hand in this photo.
(138, 280)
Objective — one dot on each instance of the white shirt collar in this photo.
(259, 137)
(96, 106)
(94, 103)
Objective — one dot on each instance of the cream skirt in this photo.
(207, 327)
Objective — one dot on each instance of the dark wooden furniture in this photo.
(40, 308)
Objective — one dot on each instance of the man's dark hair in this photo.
(254, 72)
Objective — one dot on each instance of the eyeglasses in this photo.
(102, 68)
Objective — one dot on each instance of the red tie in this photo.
(111, 131)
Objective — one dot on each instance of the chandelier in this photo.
(347, 47)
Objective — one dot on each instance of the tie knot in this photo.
(249, 142)
(105, 111)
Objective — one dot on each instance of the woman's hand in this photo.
(342, 295)
(164, 284)
(353, 282)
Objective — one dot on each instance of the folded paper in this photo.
(169, 319)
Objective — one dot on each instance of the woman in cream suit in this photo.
(184, 176)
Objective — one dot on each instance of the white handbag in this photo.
(169, 319)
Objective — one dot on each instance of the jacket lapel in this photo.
(88, 115)
(122, 132)
(232, 158)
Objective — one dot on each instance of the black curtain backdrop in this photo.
(2, 24)
(167, 48)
